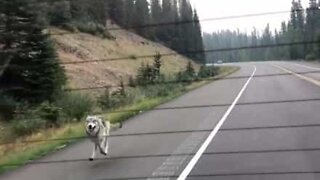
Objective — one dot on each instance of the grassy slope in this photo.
(80, 47)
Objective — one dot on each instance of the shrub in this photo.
(133, 57)
(7, 107)
(205, 72)
(112, 100)
(69, 27)
(75, 105)
(49, 112)
(92, 28)
(311, 57)
(132, 82)
(25, 126)
(188, 75)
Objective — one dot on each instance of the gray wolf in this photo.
(98, 131)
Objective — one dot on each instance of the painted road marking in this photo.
(209, 139)
(313, 81)
(309, 67)
(173, 163)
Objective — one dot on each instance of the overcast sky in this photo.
(221, 8)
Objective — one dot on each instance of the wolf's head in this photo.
(92, 125)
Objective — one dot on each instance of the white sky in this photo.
(222, 8)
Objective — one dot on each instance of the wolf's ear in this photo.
(87, 119)
(101, 117)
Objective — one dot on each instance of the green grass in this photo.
(20, 154)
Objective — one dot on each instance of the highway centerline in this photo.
(313, 81)
(209, 139)
(309, 67)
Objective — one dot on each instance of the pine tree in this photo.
(157, 65)
(85, 12)
(293, 17)
(190, 71)
(79, 10)
(266, 40)
(142, 17)
(199, 56)
(116, 9)
(59, 13)
(122, 88)
(34, 73)
(254, 42)
(300, 16)
(129, 9)
(176, 28)
(156, 17)
(312, 25)
(167, 16)
(97, 11)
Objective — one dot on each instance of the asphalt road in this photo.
(272, 141)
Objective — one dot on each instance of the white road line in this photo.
(206, 143)
(309, 67)
(313, 81)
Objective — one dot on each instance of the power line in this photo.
(189, 131)
(174, 82)
(196, 52)
(188, 52)
(162, 155)
(153, 25)
(182, 82)
(168, 132)
(271, 127)
(218, 175)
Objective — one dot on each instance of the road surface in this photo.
(264, 136)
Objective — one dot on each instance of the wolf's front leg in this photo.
(93, 152)
(103, 145)
(106, 145)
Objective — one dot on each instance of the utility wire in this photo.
(189, 131)
(153, 25)
(218, 175)
(173, 82)
(163, 155)
(182, 82)
(187, 52)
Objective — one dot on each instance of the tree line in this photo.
(303, 26)
(134, 15)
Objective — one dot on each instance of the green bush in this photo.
(92, 28)
(49, 112)
(75, 106)
(206, 72)
(7, 107)
(132, 82)
(23, 126)
(112, 100)
(133, 57)
(69, 27)
(311, 57)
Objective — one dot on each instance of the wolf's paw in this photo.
(103, 153)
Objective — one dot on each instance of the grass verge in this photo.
(21, 153)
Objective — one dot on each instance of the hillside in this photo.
(83, 47)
